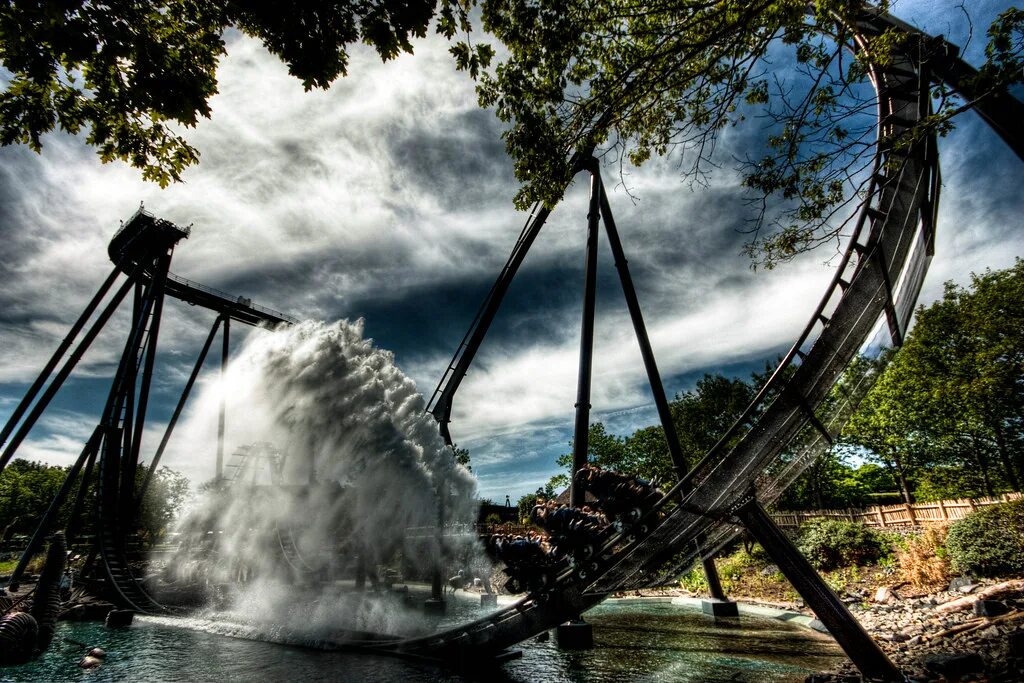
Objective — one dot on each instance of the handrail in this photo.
(247, 303)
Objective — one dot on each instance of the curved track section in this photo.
(797, 414)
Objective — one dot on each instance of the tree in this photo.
(638, 79)
(644, 79)
(462, 457)
(527, 501)
(700, 417)
(129, 73)
(166, 496)
(950, 407)
(27, 488)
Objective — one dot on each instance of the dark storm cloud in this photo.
(462, 165)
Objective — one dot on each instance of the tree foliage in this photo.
(990, 541)
(635, 79)
(643, 79)
(700, 417)
(948, 412)
(130, 75)
(27, 488)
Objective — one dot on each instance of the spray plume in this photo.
(353, 463)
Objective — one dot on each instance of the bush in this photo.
(923, 558)
(990, 541)
(832, 543)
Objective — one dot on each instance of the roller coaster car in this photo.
(622, 498)
(574, 533)
(528, 564)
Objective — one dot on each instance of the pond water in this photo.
(633, 642)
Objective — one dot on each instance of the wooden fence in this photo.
(901, 515)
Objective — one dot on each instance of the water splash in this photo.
(363, 463)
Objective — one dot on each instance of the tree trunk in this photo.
(816, 477)
(1013, 476)
(984, 466)
(901, 479)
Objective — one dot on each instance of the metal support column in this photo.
(829, 609)
(679, 460)
(63, 373)
(65, 344)
(178, 408)
(435, 604)
(75, 517)
(580, 443)
(131, 464)
(223, 398)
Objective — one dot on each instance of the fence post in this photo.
(942, 511)
(970, 501)
(881, 516)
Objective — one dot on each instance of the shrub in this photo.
(990, 541)
(923, 558)
(832, 543)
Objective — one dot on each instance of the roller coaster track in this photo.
(792, 420)
(800, 411)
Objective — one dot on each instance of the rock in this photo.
(954, 665)
(770, 570)
(97, 652)
(989, 608)
(75, 613)
(1015, 641)
(897, 637)
(119, 617)
(969, 588)
(883, 594)
(914, 641)
(88, 662)
(990, 632)
(958, 582)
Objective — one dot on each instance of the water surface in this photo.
(633, 642)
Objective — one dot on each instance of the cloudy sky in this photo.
(388, 197)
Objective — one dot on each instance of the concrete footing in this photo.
(574, 635)
(432, 606)
(720, 608)
(118, 618)
(488, 599)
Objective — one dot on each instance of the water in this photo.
(648, 642)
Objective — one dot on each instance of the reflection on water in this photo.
(649, 642)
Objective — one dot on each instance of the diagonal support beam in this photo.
(829, 609)
(679, 460)
(182, 400)
(65, 344)
(63, 374)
